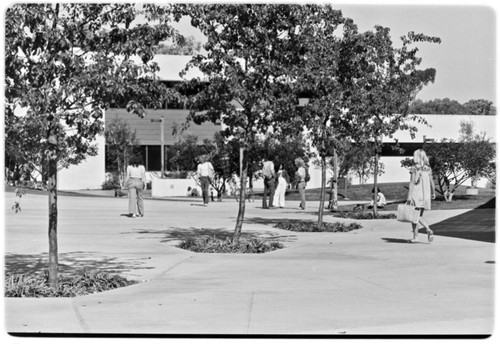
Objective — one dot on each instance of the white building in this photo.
(90, 173)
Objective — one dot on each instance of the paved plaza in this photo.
(369, 281)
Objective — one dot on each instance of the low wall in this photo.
(171, 187)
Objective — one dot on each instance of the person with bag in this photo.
(206, 173)
(421, 191)
(269, 175)
(136, 183)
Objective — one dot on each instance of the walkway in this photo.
(368, 281)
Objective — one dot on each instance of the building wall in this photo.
(89, 174)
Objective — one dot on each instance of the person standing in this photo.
(300, 177)
(421, 191)
(269, 175)
(279, 195)
(136, 183)
(205, 174)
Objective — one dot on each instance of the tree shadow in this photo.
(172, 234)
(72, 262)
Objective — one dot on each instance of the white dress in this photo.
(279, 194)
(420, 188)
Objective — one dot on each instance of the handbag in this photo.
(408, 213)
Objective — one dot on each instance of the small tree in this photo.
(121, 145)
(249, 51)
(65, 64)
(453, 163)
(387, 79)
(360, 160)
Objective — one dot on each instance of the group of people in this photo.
(276, 181)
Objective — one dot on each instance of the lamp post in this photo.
(162, 121)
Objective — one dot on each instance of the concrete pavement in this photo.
(369, 281)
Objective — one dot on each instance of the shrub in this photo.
(212, 244)
(311, 226)
(111, 184)
(70, 285)
(356, 215)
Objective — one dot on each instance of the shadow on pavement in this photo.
(192, 233)
(476, 224)
(397, 241)
(71, 262)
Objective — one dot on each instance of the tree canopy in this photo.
(65, 63)
(448, 106)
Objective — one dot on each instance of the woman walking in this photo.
(421, 190)
(136, 183)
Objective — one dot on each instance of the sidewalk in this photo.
(369, 281)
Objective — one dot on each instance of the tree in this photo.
(478, 107)
(249, 51)
(121, 145)
(360, 160)
(452, 107)
(183, 46)
(387, 81)
(453, 163)
(65, 64)
(319, 75)
(184, 153)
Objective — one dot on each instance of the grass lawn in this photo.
(396, 193)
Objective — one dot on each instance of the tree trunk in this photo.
(242, 202)
(53, 261)
(375, 187)
(322, 192)
(334, 200)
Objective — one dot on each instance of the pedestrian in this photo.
(421, 191)
(300, 177)
(381, 201)
(279, 195)
(136, 184)
(205, 174)
(269, 175)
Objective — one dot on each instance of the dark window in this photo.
(154, 158)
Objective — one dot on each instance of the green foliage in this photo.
(361, 215)
(184, 152)
(360, 159)
(310, 226)
(212, 244)
(121, 145)
(70, 285)
(452, 107)
(183, 46)
(453, 162)
(111, 184)
(65, 64)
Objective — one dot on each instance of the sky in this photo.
(465, 60)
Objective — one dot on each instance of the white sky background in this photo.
(465, 60)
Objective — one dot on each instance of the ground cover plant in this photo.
(363, 215)
(212, 244)
(312, 226)
(70, 284)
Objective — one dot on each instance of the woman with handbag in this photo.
(421, 190)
